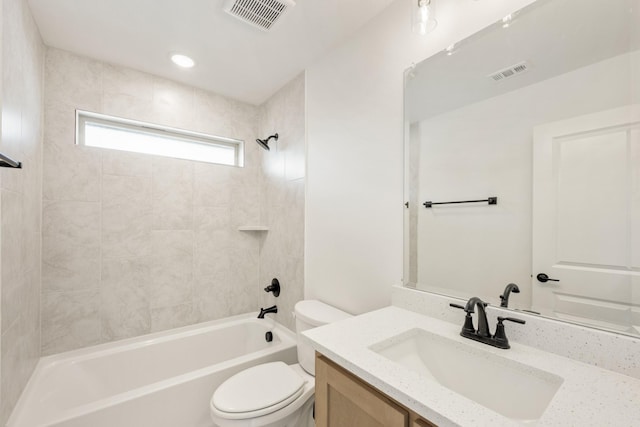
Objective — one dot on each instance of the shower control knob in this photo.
(273, 287)
(543, 278)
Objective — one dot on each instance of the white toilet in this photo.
(275, 394)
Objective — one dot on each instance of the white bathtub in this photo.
(157, 380)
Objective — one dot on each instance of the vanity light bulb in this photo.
(422, 28)
(424, 11)
(423, 16)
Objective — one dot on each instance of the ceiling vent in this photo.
(511, 71)
(261, 14)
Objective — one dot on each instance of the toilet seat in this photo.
(257, 391)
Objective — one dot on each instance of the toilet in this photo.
(275, 394)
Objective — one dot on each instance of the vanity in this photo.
(343, 399)
(396, 367)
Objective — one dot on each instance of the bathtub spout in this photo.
(263, 311)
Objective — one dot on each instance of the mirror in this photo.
(541, 111)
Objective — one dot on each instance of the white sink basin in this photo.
(512, 389)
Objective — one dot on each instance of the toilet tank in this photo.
(311, 314)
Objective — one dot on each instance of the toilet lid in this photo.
(270, 385)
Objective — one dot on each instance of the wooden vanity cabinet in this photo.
(344, 400)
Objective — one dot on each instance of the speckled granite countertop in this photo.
(588, 395)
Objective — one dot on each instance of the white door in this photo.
(586, 219)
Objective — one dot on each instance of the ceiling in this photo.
(232, 58)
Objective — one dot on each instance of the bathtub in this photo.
(157, 380)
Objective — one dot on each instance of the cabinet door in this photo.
(343, 400)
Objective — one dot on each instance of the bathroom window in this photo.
(99, 130)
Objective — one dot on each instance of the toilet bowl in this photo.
(265, 395)
(275, 394)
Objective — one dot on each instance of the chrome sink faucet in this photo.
(482, 334)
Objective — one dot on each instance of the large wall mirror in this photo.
(542, 111)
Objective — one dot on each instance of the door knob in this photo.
(544, 278)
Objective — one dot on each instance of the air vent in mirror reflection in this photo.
(511, 71)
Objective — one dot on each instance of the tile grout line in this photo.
(193, 239)
(101, 198)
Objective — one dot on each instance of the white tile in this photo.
(173, 317)
(212, 185)
(126, 216)
(73, 80)
(116, 162)
(171, 268)
(124, 299)
(71, 173)
(70, 245)
(70, 320)
(172, 194)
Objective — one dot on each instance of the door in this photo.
(586, 218)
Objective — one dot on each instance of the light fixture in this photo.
(182, 60)
(423, 16)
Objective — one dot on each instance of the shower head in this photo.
(264, 143)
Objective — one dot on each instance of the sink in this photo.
(512, 389)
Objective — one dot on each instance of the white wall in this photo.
(353, 220)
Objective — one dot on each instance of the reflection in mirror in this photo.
(542, 112)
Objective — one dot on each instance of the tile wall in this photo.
(282, 202)
(20, 200)
(132, 243)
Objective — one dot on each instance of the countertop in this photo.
(588, 395)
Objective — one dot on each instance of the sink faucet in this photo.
(483, 325)
(504, 298)
(482, 334)
(263, 311)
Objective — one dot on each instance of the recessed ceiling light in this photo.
(182, 60)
